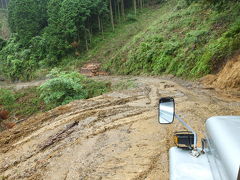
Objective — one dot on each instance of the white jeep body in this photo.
(222, 158)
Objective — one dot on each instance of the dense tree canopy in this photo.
(65, 25)
(44, 31)
(27, 18)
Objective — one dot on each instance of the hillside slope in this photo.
(189, 41)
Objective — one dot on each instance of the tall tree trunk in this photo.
(111, 14)
(2, 4)
(86, 39)
(6, 6)
(90, 37)
(99, 24)
(141, 4)
(135, 6)
(122, 8)
(119, 14)
(115, 10)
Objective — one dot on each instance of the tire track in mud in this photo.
(114, 136)
(101, 114)
(62, 133)
(9, 137)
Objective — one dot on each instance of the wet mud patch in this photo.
(113, 136)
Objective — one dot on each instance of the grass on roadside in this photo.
(23, 103)
(62, 88)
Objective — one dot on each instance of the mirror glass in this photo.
(166, 110)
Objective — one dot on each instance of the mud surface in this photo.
(21, 85)
(113, 136)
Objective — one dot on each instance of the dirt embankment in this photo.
(113, 136)
(228, 78)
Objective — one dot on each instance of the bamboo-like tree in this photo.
(135, 6)
(111, 14)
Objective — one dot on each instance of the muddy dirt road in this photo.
(113, 136)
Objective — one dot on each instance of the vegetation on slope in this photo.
(188, 41)
(60, 89)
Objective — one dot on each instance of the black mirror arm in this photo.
(189, 128)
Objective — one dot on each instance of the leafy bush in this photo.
(7, 97)
(65, 87)
(17, 63)
(62, 90)
(22, 103)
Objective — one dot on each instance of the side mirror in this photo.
(166, 110)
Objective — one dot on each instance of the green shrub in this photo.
(62, 90)
(7, 97)
(65, 87)
(22, 103)
(17, 69)
(16, 62)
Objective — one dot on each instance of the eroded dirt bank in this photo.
(114, 136)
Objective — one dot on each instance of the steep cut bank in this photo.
(228, 78)
(184, 40)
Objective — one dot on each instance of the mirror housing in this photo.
(166, 110)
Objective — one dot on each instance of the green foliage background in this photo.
(27, 18)
(188, 38)
(6, 97)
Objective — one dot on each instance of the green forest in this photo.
(188, 36)
(47, 31)
(55, 38)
